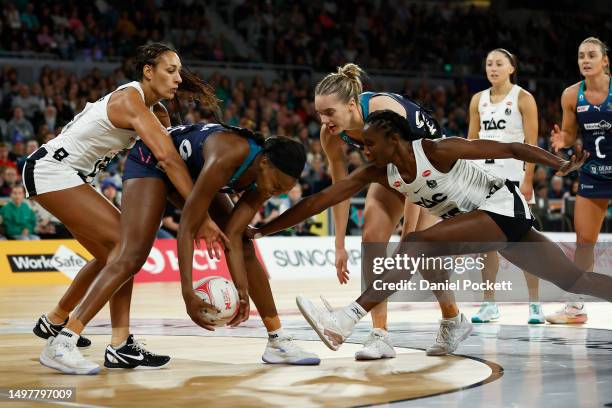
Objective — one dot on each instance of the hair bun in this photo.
(351, 71)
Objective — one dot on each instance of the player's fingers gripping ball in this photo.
(220, 293)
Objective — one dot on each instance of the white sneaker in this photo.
(333, 327)
(377, 346)
(283, 350)
(572, 313)
(449, 336)
(536, 316)
(62, 354)
(488, 312)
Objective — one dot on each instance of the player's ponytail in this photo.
(391, 122)
(246, 133)
(149, 54)
(345, 83)
(199, 90)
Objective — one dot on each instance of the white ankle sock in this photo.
(355, 311)
(275, 334)
(68, 335)
(456, 319)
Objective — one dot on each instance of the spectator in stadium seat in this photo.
(20, 125)
(18, 148)
(5, 160)
(574, 187)
(10, 181)
(29, 103)
(17, 217)
(30, 148)
(50, 116)
(557, 191)
(28, 18)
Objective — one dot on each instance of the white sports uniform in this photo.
(84, 147)
(502, 122)
(466, 187)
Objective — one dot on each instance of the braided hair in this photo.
(391, 122)
(287, 155)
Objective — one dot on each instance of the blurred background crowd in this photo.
(438, 47)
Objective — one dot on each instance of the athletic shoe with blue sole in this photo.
(283, 350)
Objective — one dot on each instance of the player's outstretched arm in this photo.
(332, 195)
(455, 148)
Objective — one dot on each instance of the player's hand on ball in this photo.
(243, 309)
(196, 308)
(341, 266)
(574, 163)
(215, 239)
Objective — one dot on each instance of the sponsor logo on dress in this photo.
(582, 108)
(493, 125)
(426, 173)
(508, 112)
(509, 103)
(432, 184)
(601, 125)
(397, 183)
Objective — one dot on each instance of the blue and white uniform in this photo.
(189, 142)
(421, 122)
(595, 127)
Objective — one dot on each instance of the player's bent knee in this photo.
(130, 264)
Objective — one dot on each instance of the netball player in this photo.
(505, 112)
(587, 105)
(57, 175)
(264, 168)
(480, 212)
(343, 108)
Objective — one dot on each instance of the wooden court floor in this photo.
(225, 369)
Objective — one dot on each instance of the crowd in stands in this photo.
(323, 34)
(400, 35)
(34, 113)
